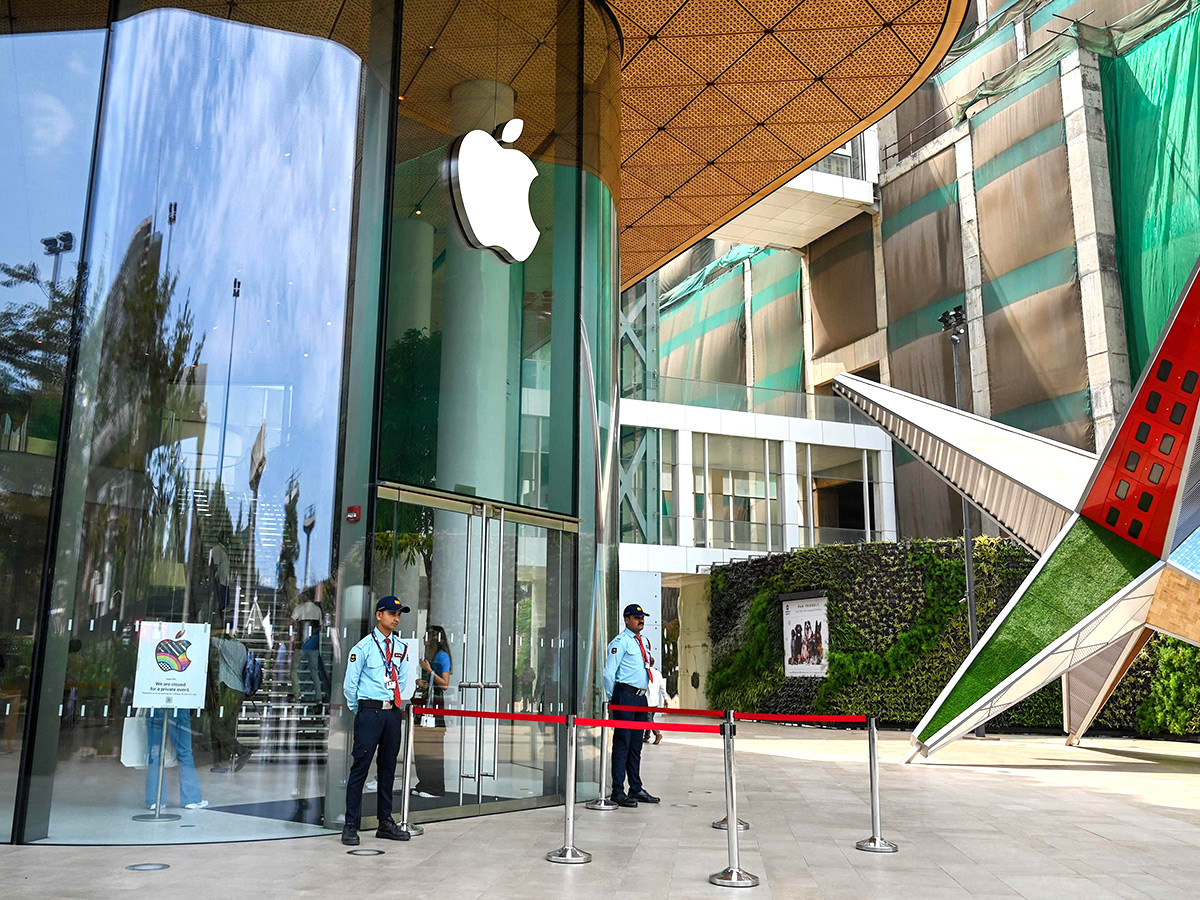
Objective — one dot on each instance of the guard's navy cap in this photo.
(390, 604)
(634, 609)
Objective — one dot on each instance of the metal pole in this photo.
(968, 541)
(237, 292)
(406, 777)
(159, 801)
(733, 875)
(875, 843)
(723, 823)
(568, 853)
(603, 803)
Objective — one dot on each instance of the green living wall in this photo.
(897, 633)
(1152, 116)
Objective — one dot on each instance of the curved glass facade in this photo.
(273, 380)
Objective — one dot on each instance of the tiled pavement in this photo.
(1017, 817)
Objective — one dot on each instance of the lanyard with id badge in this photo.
(392, 682)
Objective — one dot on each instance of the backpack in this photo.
(252, 675)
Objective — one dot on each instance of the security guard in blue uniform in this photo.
(626, 680)
(376, 672)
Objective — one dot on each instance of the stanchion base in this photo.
(723, 824)
(734, 878)
(151, 817)
(570, 856)
(876, 845)
(602, 804)
(414, 830)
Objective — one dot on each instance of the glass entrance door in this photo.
(490, 590)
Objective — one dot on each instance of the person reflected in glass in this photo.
(228, 665)
(179, 730)
(436, 667)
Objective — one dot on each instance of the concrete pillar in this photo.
(474, 392)
(695, 654)
(980, 401)
(474, 395)
(1109, 377)
(685, 489)
(410, 284)
(789, 497)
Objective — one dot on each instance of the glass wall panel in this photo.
(743, 498)
(49, 92)
(841, 506)
(202, 470)
(480, 352)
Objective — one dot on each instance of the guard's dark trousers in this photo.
(374, 729)
(627, 742)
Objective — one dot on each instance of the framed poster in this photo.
(172, 665)
(805, 635)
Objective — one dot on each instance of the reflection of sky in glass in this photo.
(1187, 555)
(49, 86)
(252, 133)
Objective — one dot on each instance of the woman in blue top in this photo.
(436, 668)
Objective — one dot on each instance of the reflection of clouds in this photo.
(201, 112)
(77, 65)
(50, 122)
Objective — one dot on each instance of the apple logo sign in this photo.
(490, 185)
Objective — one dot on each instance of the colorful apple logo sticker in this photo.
(490, 185)
(171, 655)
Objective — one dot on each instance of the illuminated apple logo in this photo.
(491, 192)
(171, 656)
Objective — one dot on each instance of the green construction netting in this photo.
(702, 321)
(1152, 115)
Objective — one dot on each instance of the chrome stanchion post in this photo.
(160, 798)
(568, 853)
(875, 843)
(405, 781)
(603, 803)
(733, 875)
(722, 824)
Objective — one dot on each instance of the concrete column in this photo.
(806, 324)
(685, 489)
(474, 392)
(410, 282)
(789, 497)
(1109, 377)
(881, 287)
(980, 401)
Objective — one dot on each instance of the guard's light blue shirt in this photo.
(624, 663)
(366, 669)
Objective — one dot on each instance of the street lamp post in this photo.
(310, 522)
(237, 292)
(954, 323)
(63, 242)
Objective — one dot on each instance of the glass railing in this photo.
(835, 535)
(768, 401)
(750, 536)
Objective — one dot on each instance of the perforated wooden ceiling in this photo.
(722, 101)
(725, 100)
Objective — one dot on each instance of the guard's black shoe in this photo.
(644, 797)
(389, 830)
(350, 835)
(622, 800)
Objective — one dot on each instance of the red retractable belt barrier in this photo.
(649, 726)
(670, 711)
(765, 717)
(480, 714)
